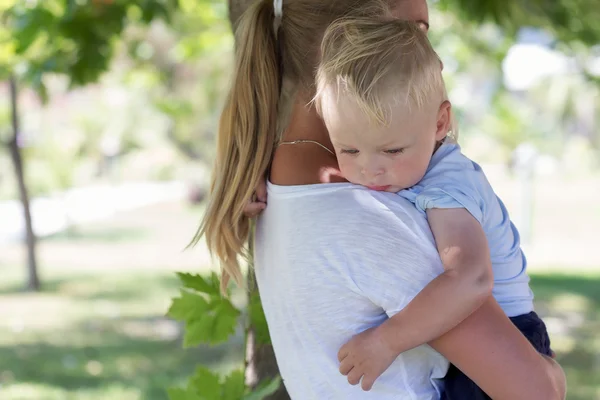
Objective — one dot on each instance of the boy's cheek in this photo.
(347, 170)
(398, 166)
(349, 166)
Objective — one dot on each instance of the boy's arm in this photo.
(491, 351)
(447, 300)
(466, 283)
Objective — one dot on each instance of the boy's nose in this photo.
(372, 172)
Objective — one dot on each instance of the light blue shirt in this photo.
(454, 181)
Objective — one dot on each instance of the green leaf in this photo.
(214, 325)
(215, 281)
(258, 319)
(197, 282)
(197, 331)
(28, 25)
(177, 394)
(223, 327)
(187, 307)
(206, 383)
(266, 388)
(183, 394)
(234, 386)
(222, 306)
(209, 317)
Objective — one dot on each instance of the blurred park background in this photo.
(109, 110)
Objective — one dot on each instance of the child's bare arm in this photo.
(466, 283)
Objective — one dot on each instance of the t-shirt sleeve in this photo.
(452, 181)
(450, 196)
(392, 282)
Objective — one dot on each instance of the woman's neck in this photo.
(304, 163)
(306, 124)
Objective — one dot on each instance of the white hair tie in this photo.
(278, 8)
(278, 11)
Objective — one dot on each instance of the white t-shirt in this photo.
(331, 261)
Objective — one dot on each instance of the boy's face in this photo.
(384, 158)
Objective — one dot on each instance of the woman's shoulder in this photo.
(349, 211)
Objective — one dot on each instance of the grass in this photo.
(95, 336)
(106, 235)
(97, 330)
(570, 305)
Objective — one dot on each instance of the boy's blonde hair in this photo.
(379, 63)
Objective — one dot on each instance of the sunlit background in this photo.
(116, 167)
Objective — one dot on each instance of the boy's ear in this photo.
(444, 120)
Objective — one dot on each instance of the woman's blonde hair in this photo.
(379, 63)
(265, 61)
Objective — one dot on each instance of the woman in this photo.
(332, 259)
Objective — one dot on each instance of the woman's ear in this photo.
(444, 119)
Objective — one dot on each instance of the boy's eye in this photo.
(349, 151)
(394, 151)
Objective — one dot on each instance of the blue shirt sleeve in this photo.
(448, 197)
(451, 181)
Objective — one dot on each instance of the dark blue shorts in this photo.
(460, 387)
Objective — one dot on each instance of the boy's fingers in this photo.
(253, 209)
(354, 376)
(345, 368)
(261, 191)
(367, 383)
(342, 353)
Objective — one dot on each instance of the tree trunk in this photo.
(261, 364)
(33, 282)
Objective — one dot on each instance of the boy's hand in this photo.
(258, 201)
(367, 355)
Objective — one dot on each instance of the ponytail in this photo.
(245, 140)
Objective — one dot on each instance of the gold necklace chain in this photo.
(308, 141)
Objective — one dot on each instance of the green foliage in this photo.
(258, 319)
(265, 389)
(234, 386)
(206, 385)
(511, 125)
(569, 20)
(209, 317)
(188, 393)
(195, 68)
(71, 37)
(206, 28)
